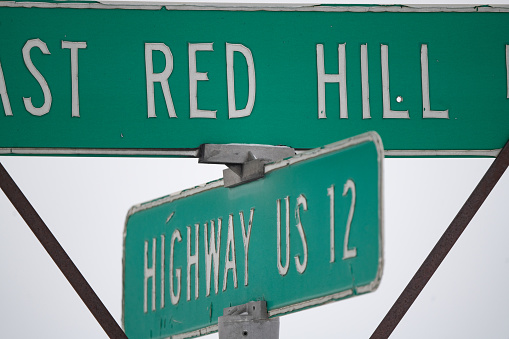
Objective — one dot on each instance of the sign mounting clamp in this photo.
(245, 161)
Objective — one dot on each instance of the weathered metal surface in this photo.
(245, 162)
(249, 321)
(240, 174)
(59, 256)
(88, 78)
(308, 233)
(241, 153)
(443, 246)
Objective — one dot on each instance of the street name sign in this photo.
(133, 79)
(308, 233)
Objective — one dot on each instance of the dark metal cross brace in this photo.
(59, 256)
(443, 246)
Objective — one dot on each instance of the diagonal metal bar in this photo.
(443, 246)
(59, 256)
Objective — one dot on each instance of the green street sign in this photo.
(152, 80)
(308, 233)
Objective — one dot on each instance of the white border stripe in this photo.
(442, 153)
(260, 7)
(183, 152)
(194, 152)
(78, 5)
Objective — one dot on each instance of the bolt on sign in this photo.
(308, 233)
(124, 79)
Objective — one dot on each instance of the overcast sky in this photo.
(84, 202)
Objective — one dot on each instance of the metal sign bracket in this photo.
(246, 162)
(250, 321)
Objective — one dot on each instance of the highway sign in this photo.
(308, 233)
(98, 79)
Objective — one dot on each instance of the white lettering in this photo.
(246, 237)
(426, 106)
(507, 67)
(158, 77)
(232, 108)
(283, 270)
(162, 270)
(3, 94)
(192, 260)
(37, 75)
(230, 264)
(349, 253)
(386, 98)
(74, 46)
(331, 78)
(174, 297)
(301, 266)
(212, 252)
(330, 193)
(366, 111)
(149, 272)
(194, 77)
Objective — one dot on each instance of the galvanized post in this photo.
(250, 321)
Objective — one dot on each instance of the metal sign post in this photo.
(249, 321)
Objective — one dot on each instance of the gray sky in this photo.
(84, 202)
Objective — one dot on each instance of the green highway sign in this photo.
(308, 233)
(126, 79)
